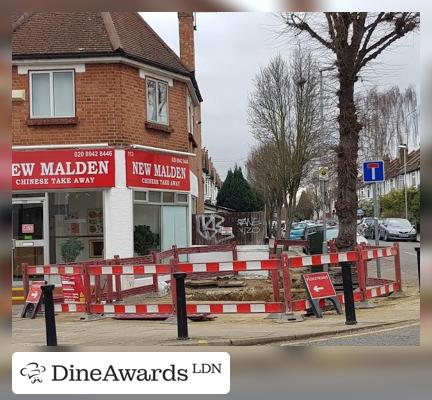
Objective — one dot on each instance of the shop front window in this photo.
(160, 221)
(147, 228)
(76, 226)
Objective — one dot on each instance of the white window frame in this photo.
(156, 81)
(51, 83)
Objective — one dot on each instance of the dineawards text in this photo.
(112, 374)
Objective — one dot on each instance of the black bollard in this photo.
(350, 317)
(417, 249)
(50, 325)
(182, 327)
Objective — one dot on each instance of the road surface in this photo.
(408, 263)
(404, 335)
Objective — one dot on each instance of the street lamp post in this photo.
(405, 148)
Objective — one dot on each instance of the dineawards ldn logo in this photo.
(33, 371)
(121, 373)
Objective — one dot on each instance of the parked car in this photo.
(365, 224)
(298, 230)
(397, 228)
(333, 232)
(369, 230)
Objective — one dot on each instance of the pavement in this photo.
(225, 330)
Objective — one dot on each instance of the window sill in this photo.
(52, 121)
(159, 127)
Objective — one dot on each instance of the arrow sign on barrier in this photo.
(319, 286)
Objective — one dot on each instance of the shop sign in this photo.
(157, 171)
(27, 228)
(62, 169)
(73, 288)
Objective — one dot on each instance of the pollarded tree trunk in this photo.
(346, 205)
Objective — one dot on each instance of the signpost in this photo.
(33, 300)
(373, 172)
(319, 286)
(73, 288)
(323, 178)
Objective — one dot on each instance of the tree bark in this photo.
(346, 204)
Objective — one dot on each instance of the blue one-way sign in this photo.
(373, 171)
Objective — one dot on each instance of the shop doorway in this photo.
(29, 230)
(174, 227)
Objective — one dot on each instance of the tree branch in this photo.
(303, 26)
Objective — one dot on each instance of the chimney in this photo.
(401, 154)
(186, 37)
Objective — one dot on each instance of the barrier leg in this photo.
(288, 316)
(275, 283)
(155, 282)
(286, 279)
(97, 288)
(361, 274)
(26, 281)
(118, 287)
(182, 327)
(350, 316)
(398, 293)
(109, 289)
(398, 268)
(172, 319)
(50, 324)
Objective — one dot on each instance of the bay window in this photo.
(52, 94)
(157, 101)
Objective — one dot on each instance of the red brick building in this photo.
(106, 135)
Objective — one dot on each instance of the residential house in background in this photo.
(212, 181)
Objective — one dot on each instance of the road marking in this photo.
(411, 254)
(350, 335)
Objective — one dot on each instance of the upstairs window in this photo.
(157, 101)
(52, 94)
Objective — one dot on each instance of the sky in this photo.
(230, 49)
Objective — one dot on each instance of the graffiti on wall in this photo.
(211, 228)
(249, 225)
(246, 228)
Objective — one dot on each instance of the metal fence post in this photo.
(50, 324)
(182, 327)
(417, 249)
(350, 316)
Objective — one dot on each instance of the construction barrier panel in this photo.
(368, 287)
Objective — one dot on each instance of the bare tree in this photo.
(264, 179)
(389, 118)
(284, 111)
(353, 40)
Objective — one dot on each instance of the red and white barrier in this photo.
(332, 258)
(214, 308)
(360, 257)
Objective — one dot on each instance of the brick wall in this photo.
(111, 108)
